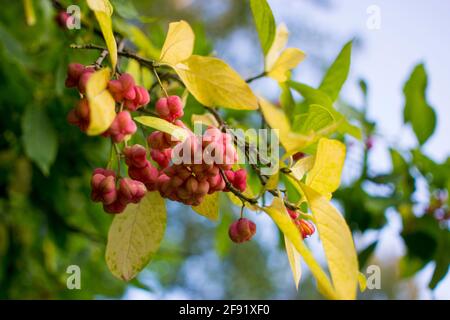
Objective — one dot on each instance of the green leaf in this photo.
(337, 73)
(442, 260)
(417, 111)
(316, 96)
(265, 23)
(135, 236)
(39, 139)
(317, 118)
(209, 207)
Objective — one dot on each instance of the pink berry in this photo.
(162, 157)
(170, 108)
(131, 191)
(122, 126)
(79, 116)
(135, 156)
(242, 230)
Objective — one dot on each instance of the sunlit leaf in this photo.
(362, 282)
(179, 43)
(279, 43)
(288, 60)
(265, 23)
(135, 236)
(214, 83)
(277, 119)
(209, 207)
(164, 126)
(302, 166)
(337, 243)
(101, 103)
(278, 213)
(103, 11)
(30, 15)
(294, 261)
(325, 176)
(206, 119)
(317, 118)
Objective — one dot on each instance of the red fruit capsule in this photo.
(242, 230)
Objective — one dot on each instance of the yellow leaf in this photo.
(101, 103)
(206, 119)
(164, 126)
(214, 83)
(277, 119)
(103, 11)
(135, 236)
(209, 207)
(325, 176)
(302, 166)
(272, 182)
(362, 282)
(278, 213)
(337, 243)
(288, 60)
(179, 43)
(294, 261)
(279, 43)
(30, 16)
(101, 6)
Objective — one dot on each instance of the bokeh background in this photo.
(47, 221)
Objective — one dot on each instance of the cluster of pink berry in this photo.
(197, 173)
(203, 163)
(115, 193)
(125, 92)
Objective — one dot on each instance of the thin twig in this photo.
(259, 76)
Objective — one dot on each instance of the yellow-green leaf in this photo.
(272, 182)
(294, 261)
(278, 213)
(209, 207)
(135, 236)
(101, 103)
(264, 22)
(206, 119)
(277, 119)
(164, 126)
(101, 6)
(30, 16)
(362, 281)
(337, 243)
(103, 11)
(214, 83)
(288, 60)
(279, 43)
(302, 166)
(179, 43)
(325, 176)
